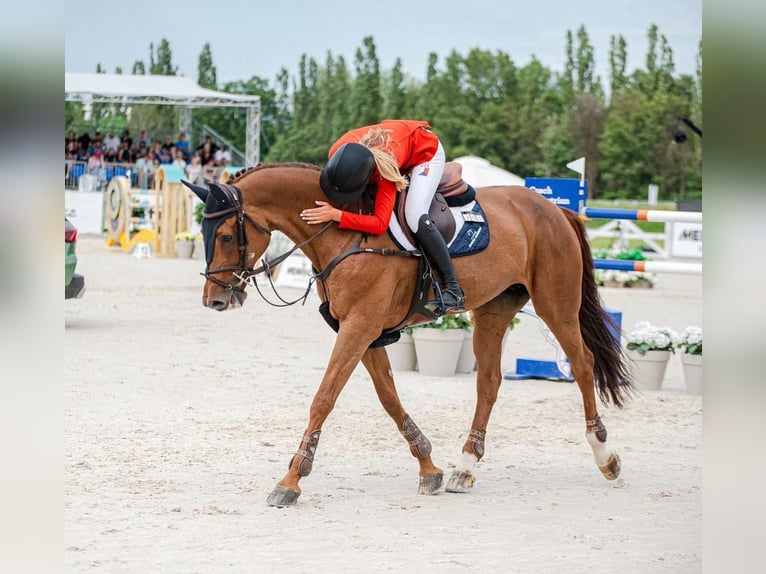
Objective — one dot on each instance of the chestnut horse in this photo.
(538, 250)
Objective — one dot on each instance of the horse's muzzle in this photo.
(224, 300)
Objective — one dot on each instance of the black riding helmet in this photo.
(348, 172)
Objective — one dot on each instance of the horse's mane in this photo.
(246, 171)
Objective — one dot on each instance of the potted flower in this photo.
(184, 244)
(438, 344)
(650, 347)
(401, 354)
(199, 247)
(691, 358)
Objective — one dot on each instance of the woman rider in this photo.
(378, 155)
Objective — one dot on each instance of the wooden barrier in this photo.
(174, 209)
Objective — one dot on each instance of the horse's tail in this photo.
(599, 330)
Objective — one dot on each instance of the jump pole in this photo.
(642, 215)
(649, 266)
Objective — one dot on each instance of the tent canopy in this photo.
(480, 173)
(128, 89)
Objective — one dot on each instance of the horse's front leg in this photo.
(377, 364)
(348, 349)
(490, 324)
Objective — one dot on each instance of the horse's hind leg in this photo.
(557, 302)
(378, 366)
(490, 325)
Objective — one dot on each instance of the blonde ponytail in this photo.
(378, 141)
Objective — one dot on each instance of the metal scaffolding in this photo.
(178, 91)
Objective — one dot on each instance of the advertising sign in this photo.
(569, 193)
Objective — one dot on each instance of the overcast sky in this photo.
(253, 38)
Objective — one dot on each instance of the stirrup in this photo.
(440, 307)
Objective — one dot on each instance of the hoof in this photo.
(612, 468)
(460, 481)
(430, 484)
(282, 496)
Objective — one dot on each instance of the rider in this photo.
(379, 154)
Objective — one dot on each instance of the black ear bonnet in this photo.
(218, 198)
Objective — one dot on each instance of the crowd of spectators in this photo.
(142, 156)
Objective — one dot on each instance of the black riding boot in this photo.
(433, 245)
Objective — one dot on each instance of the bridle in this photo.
(244, 274)
(241, 270)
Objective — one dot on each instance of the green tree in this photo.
(207, 74)
(618, 54)
(367, 96)
(161, 61)
(396, 92)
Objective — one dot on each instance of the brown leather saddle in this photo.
(451, 186)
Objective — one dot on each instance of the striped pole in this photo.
(642, 215)
(649, 266)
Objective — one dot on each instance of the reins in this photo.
(246, 276)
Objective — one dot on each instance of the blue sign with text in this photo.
(564, 192)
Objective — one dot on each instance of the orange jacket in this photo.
(412, 143)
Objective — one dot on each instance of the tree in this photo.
(161, 62)
(618, 54)
(367, 97)
(396, 92)
(206, 71)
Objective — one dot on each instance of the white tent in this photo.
(177, 91)
(479, 172)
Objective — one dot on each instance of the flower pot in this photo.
(692, 373)
(184, 249)
(437, 350)
(649, 369)
(466, 361)
(199, 249)
(401, 354)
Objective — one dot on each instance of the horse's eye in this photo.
(227, 238)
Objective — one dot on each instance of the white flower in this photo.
(646, 337)
(691, 340)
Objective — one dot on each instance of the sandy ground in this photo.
(179, 421)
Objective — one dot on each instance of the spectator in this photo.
(183, 145)
(123, 154)
(156, 150)
(143, 168)
(179, 160)
(194, 169)
(98, 141)
(111, 143)
(207, 153)
(84, 141)
(70, 142)
(95, 163)
(209, 143)
(223, 156)
(165, 157)
(168, 143)
(110, 156)
(142, 144)
(209, 168)
(126, 138)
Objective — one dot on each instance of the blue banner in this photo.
(564, 192)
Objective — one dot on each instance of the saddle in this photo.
(452, 191)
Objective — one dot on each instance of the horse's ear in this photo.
(219, 194)
(198, 190)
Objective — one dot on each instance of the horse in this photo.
(538, 251)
